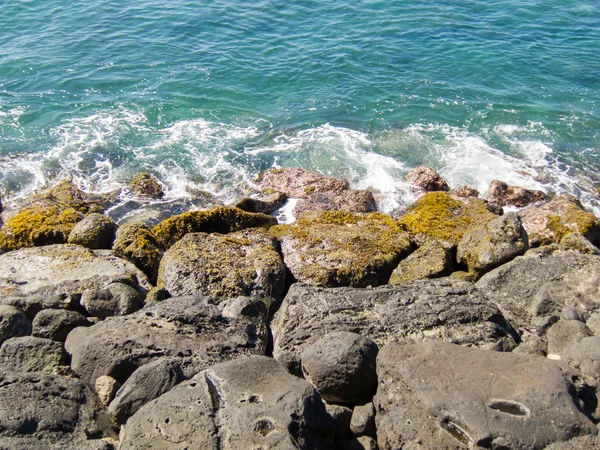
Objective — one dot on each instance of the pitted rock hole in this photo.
(264, 427)
(254, 399)
(509, 407)
(455, 431)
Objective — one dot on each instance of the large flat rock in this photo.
(247, 403)
(441, 309)
(441, 396)
(55, 276)
(180, 327)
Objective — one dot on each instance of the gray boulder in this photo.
(65, 442)
(247, 403)
(341, 366)
(436, 395)
(440, 309)
(179, 327)
(49, 408)
(363, 420)
(224, 266)
(341, 416)
(351, 200)
(361, 443)
(56, 324)
(565, 333)
(13, 323)
(31, 354)
(498, 242)
(144, 385)
(116, 299)
(95, 231)
(540, 283)
(578, 443)
(54, 276)
(584, 356)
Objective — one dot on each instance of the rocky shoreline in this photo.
(452, 325)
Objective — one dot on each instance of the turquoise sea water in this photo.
(207, 94)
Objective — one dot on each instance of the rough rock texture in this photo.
(361, 443)
(13, 323)
(95, 231)
(503, 194)
(439, 309)
(357, 201)
(540, 283)
(431, 260)
(179, 327)
(363, 420)
(46, 407)
(53, 277)
(552, 221)
(116, 299)
(584, 356)
(465, 191)
(579, 443)
(144, 385)
(577, 241)
(498, 242)
(265, 204)
(248, 403)
(106, 388)
(49, 216)
(145, 185)
(221, 220)
(31, 354)
(56, 324)
(341, 416)
(565, 333)
(441, 216)
(337, 248)
(436, 395)
(427, 179)
(135, 242)
(341, 366)
(65, 442)
(299, 183)
(225, 266)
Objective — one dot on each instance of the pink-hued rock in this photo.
(300, 183)
(503, 194)
(427, 179)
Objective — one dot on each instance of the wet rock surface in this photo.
(350, 200)
(299, 183)
(503, 195)
(427, 179)
(439, 395)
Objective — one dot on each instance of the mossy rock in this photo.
(443, 217)
(243, 263)
(38, 225)
(221, 219)
(137, 243)
(431, 260)
(66, 195)
(338, 248)
(145, 185)
(552, 221)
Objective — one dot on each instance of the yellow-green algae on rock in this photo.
(49, 216)
(431, 260)
(338, 248)
(221, 219)
(441, 216)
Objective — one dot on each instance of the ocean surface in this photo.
(207, 94)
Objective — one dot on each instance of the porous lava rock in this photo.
(296, 182)
(427, 179)
(502, 194)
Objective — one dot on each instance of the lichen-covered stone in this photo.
(431, 260)
(337, 248)
(441, 216)
(299, 183)
(503, 194)
(577, 241)
(55, 276)
(427, 179)
(13, 323)
(137, 243)
(351, 200)
(225, 266)
(496, 243)
(553, 221)
(217, 220)
(95, 231)
(48, 217)
(145, 185)
(31, 354)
